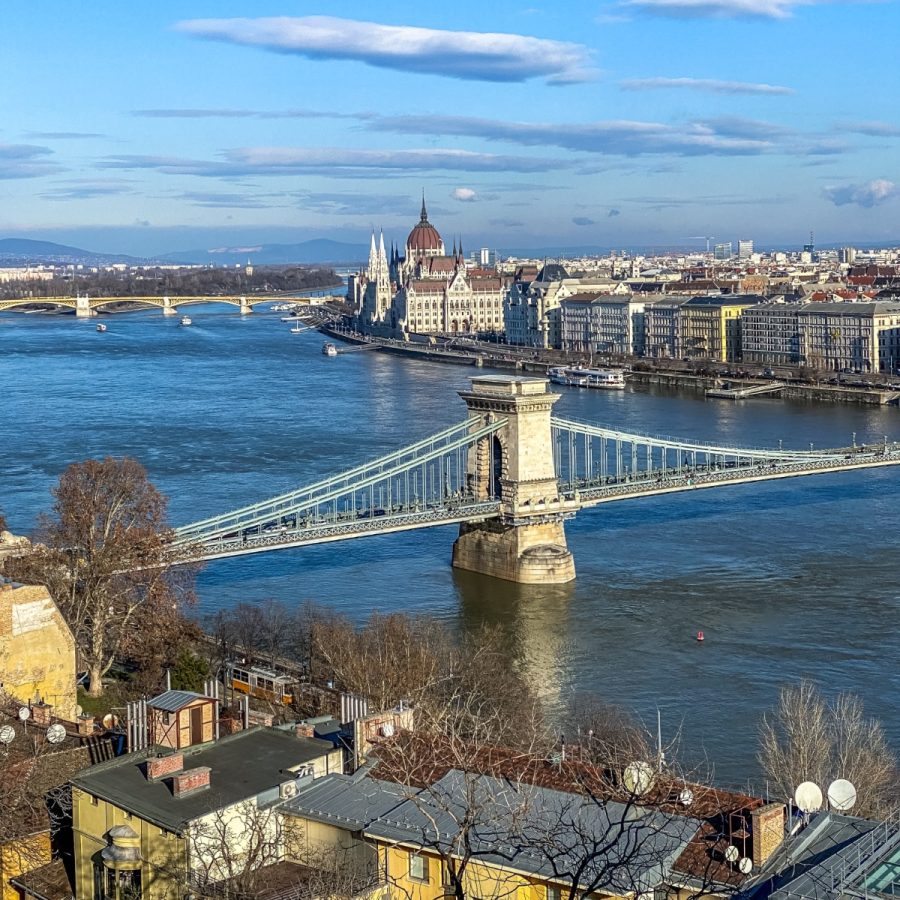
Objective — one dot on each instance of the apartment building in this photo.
(592, 323)
(710, 327)
(661, 331)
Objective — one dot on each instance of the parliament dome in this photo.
(424, 238)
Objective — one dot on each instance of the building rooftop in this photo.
(640, 846)
(241, 766)
(172, 701)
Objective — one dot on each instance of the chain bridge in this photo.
(509, 475)
(87, 306)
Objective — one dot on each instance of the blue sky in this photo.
(144, 128)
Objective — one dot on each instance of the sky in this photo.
(156, 127)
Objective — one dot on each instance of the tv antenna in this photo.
(638, 777)
(56, 733)
(841, 795)
(808, 797)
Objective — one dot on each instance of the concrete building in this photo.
(604, 324)
(745, 249)
(662, 338)
(37, 650)
(770, 334)
(710, 327)
(863, 337)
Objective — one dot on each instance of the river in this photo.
(786, 579)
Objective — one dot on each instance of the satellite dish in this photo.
(841, 795)
(24, 712)
(745, 866)
(110, 721)
(732, 853)
(79, 710)
(808, 797)
(7, 734)
(56, 733)
(638, 777)
(686, 797)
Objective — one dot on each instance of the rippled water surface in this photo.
(790, 578)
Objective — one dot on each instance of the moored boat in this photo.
(329, 349)
(577, 376)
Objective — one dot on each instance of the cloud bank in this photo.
(25, 161)
(454, 54)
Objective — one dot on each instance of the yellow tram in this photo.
(263, 683)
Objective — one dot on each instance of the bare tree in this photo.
(806, 738)
(104, 559)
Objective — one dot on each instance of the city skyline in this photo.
(639, 122)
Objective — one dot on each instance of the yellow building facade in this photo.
(37, 650)
(710, 328)
(19, 856)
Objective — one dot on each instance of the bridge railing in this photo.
(431, 471)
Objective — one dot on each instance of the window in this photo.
(418, 867)
(553, 893)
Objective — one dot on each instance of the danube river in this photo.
(786, 579)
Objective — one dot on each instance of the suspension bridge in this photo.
(509, 475)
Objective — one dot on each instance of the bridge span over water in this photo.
(509, 475)
(88, 306)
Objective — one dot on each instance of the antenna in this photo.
(24, 713)
(56, 733)
(841, 795)
(808, 797)
(745, 865)
(732, 853)
(638, 777)
(7, 734)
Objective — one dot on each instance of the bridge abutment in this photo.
(527, 543)
(83, 308)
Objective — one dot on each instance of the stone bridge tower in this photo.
(527, 543)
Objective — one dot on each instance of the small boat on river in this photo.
(101, 327)
(329, 349)
(187, 320)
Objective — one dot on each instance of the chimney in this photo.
(41, 713)
(767, 831)
(160, 766)
(190, 781)
(304, 730)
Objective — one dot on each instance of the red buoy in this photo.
(700, 637)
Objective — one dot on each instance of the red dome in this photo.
(424, 237)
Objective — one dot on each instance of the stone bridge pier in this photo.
(527, 543)
(83, 307)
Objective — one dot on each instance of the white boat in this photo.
(186, 320)
(101, 327)
(299, 329)
(329, 349)
(577, 376)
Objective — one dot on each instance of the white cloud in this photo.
(466, 195)
(712, 85)
(718, 9)
(456, 54)
(869, 194)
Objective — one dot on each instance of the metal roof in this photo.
(172, 701)
(513, 822)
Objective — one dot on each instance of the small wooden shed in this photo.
(180, 719)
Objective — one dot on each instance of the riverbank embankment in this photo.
(532, 363)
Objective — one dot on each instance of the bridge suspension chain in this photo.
(430, 475)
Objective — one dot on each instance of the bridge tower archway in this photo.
(527, 542)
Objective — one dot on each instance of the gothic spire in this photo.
(424, 215)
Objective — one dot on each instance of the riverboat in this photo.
(329, 349)
(186, 320)
(101, 327)
(576, 376)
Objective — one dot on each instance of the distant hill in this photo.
(315, 251)
(18, 251)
